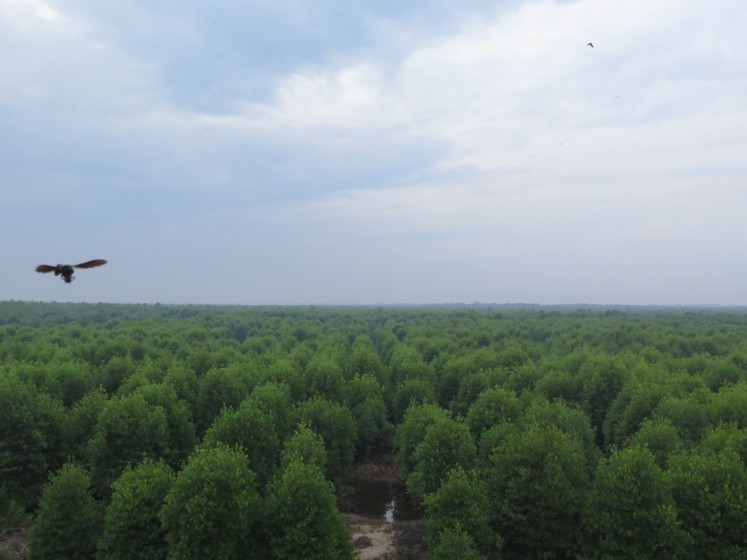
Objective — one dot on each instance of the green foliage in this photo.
(453, 542)
(461, 502)
(561, 385)
(710, 491)
(447, 444)
(275, 400)
(303, 522)
(729, 406)
(132, 529)
(83, 418)
(492, 439)
(67, 523)
(686, 414)
(185, 383)
(407, 363)
(537, 481)
(180, 431)
(220, 388)
(117, 369)
(66, 381)
(726, 437)
(631, 512)
(31, 438)
(635, 403)
(523, 379)
(567, 419)
(336, 425)
(543, 392)
(470, 387)
(459, 367)
(252, 430)
(604, 377)
(323, 376)
(307, 445)
(660, 437)
(411, 432)
(722, 373)
(145, 424)
(411, 392)
(213, 509)
(493, 406)
(364, 360)
(512, 357)
(283, 370)
(365, 398)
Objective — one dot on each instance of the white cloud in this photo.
(501, 94)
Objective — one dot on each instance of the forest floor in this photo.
(13, 546)
(377, 538)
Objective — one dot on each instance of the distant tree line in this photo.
(205, 432)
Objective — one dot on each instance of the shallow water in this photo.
(383, 500)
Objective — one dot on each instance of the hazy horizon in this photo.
(476, 305)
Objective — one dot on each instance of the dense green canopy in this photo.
(522, 433)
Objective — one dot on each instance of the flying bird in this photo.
(590, 45)
(66, 270)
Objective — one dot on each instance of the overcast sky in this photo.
(375, 151)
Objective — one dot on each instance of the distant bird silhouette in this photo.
(590, 45)
(66, 270)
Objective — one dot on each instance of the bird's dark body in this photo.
(66, 270)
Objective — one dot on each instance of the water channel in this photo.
(383, 499)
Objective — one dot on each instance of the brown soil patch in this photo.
(13, 547)
(373, 539)
(378, 540)
(409, 541)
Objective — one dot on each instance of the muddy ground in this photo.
(13, 547)
(375, 538)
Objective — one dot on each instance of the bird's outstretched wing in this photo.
(90, 264)
(44, 268)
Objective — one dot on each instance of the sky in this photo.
(375, 151)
